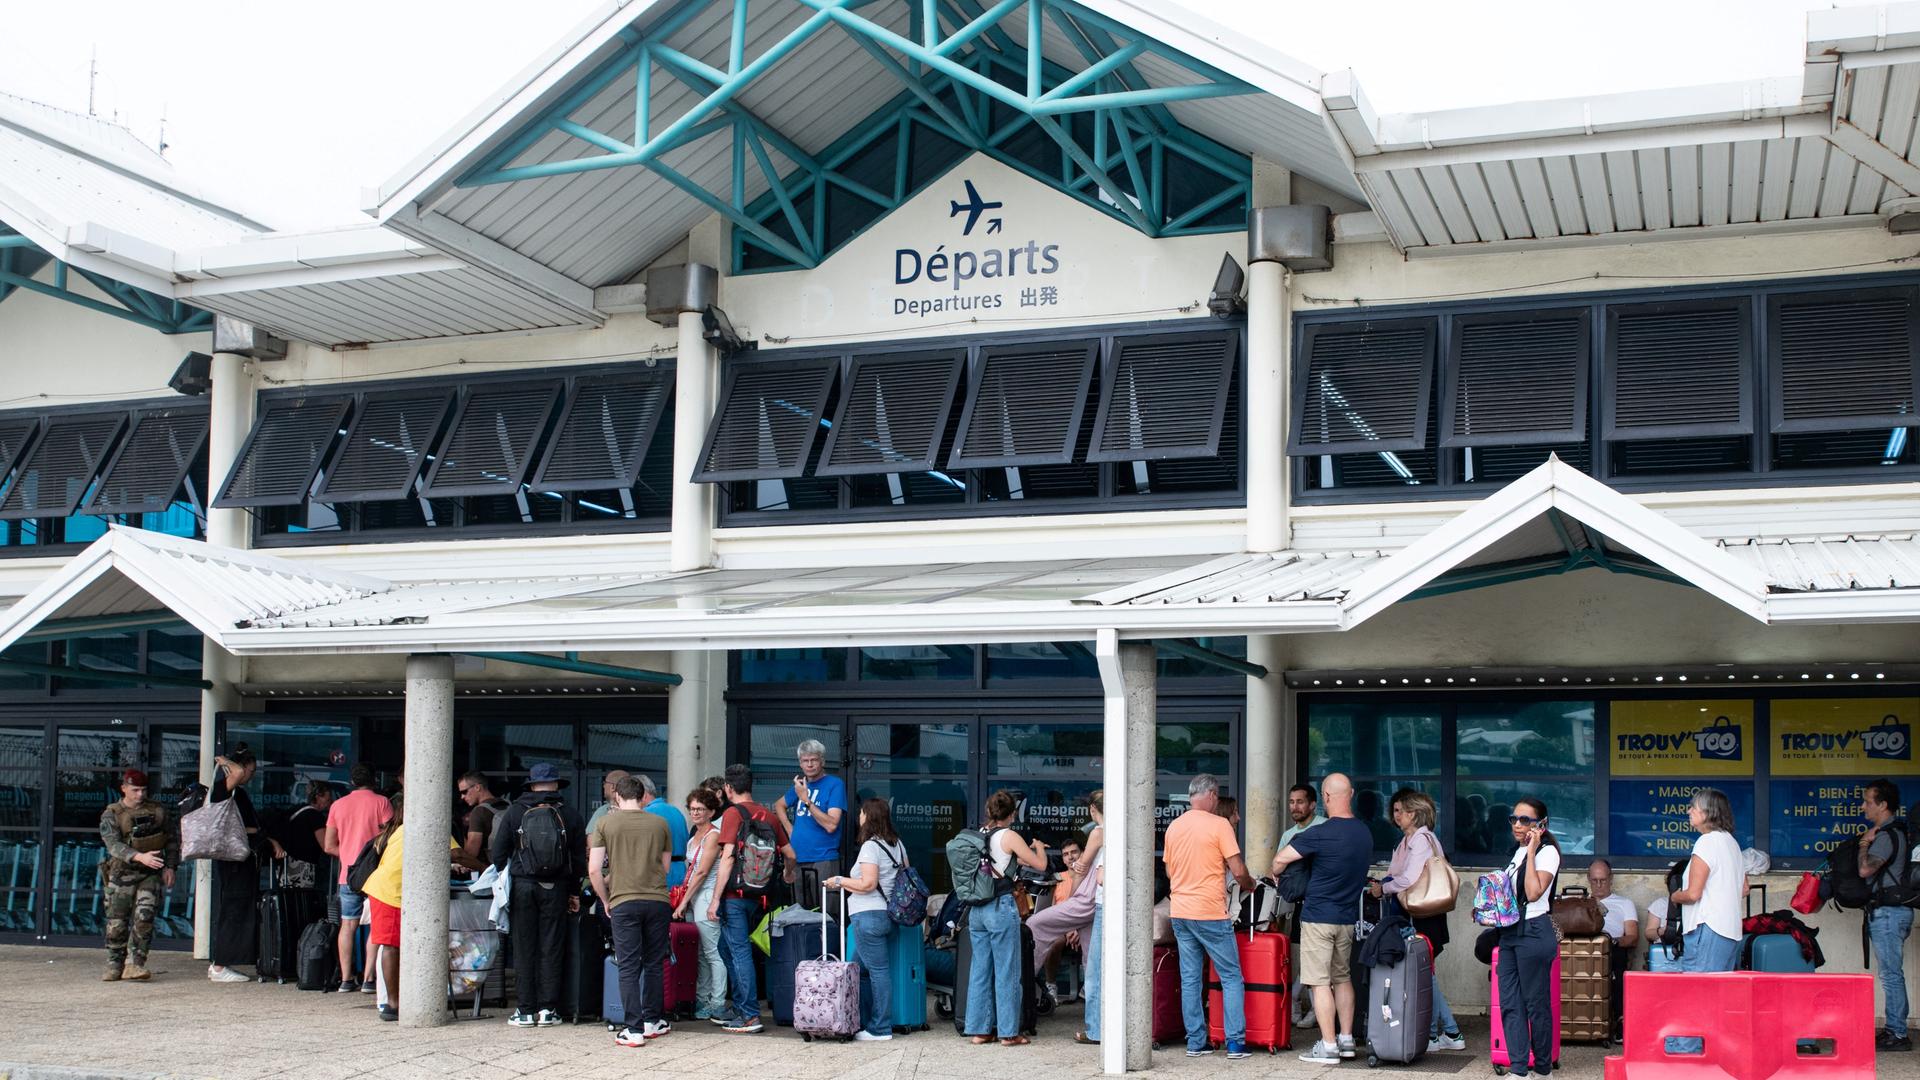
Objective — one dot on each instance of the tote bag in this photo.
(214, 831)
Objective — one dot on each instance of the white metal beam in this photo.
(1875, 155)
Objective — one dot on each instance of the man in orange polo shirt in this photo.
(1201, 853)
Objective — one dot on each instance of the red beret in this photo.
(135, 777)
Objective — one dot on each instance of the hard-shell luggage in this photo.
(1400, 1006)
(583, 968)
(318, 966)
(682, 970)
(788, 949)
(1779, 953)
(906, 963)
(277, 960)
(826, 991)
(1030, 987)
(1586, 989)
(1265, 969)
(611, 1008)
(1502, 1061)
(1169, 1026)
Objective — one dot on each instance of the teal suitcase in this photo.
(908, 964)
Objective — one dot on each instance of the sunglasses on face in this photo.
(464, 791)
(1522, 819)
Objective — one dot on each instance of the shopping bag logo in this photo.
(1720, 741)
(1889, 740)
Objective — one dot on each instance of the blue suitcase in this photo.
(788, 949)
(907, 963)
(610, 1008)
(1778, 953)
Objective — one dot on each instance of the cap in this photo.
(134, 777)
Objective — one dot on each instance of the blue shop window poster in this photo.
(1649, 817)
(1813, 816)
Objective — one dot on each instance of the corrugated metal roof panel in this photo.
(1832, 564)
(399, 307)
(65, 189)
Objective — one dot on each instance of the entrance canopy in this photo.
(1552, 520)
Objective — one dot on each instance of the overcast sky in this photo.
(289, 109)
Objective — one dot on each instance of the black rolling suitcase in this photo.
(277, 960)
(583, 972)
(1030, 987)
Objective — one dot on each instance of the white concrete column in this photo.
(693, 388)
(429, 821)
(687, 721)
(230, 408)
(1268, 735)
(1268, 330)
(1128, 684)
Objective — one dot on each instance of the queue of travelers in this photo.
(645, 863)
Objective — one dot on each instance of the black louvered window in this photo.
(284, 452)
(489, 448)
(604, 431)
(892, 414)
(1517, 379)
(57, 471)
(767, 420)
(152, 463)
(1025, 406)
(1164, 397)
(1363, 387)
(1680, 370)
(1845, 361)
(15, 433)
(386, 445)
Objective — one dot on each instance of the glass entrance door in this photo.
(921, 768)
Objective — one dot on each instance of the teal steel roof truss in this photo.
(21, 263)
(1102, 134)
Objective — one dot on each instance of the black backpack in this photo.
(1850, 890)
(543, 843)
(1898, 883)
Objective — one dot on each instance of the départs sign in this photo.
(975, 272)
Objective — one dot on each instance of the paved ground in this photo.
(180, 1025)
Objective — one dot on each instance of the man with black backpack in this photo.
(545, 842)
(1884, 859)
(754, 848)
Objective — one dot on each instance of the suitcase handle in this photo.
(825, 954)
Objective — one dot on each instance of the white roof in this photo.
(1829, 146)
(251, 603)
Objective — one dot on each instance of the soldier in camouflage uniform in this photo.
(143, 847)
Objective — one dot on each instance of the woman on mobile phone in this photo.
(1529, 947)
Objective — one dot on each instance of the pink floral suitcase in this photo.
(826, 992)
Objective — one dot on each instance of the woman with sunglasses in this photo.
(1529, 947)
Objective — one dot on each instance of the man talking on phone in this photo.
(819, 803)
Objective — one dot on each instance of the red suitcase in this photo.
(1169, 1027)
(682, 969)
(1502, 1061)
(1264, 968)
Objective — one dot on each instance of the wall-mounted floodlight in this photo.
(1229, 297)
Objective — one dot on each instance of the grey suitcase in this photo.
(1400, 1006)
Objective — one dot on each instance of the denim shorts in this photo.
(351, 903)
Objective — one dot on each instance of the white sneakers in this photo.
(864, 1035)
(216, 973)
(1444, 1041)
(1345, 1046)
(629, 1037)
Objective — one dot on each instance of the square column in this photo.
(1128, 678)
(429, 821)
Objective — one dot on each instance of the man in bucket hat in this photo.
(142, 842)
(545, 841)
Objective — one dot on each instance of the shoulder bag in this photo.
(1578, 914)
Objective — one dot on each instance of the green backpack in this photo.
(969, 856)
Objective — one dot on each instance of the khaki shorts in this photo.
(1326, 953)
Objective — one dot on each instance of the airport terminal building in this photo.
(1039, 395)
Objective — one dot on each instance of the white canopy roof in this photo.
(1552, 519)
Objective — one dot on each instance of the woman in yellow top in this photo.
(383, 907)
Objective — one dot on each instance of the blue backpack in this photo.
(907, 903)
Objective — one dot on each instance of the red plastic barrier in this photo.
(1752, 1026)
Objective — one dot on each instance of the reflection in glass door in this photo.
(921, 769)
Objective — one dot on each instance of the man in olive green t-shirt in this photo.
(629, 854)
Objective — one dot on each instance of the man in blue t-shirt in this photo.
(819, 803)
(1341, 849)
(652, 803)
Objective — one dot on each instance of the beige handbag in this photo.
(1435, 892)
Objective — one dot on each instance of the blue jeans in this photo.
(993, 972)
(739, 918)
(1703, 951)
(1889, 927)
(1443, 1020)
(1211, 939)
(1090, 984)
(872, 941)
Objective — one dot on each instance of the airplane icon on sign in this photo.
(974, 207)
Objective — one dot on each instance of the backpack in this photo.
(1494, 902)
(1292, 885)
(1850, 890)
(365, 864)
(756, 856)
(1898, 883)
(907, 904)
(970, 858)
(543, 842)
